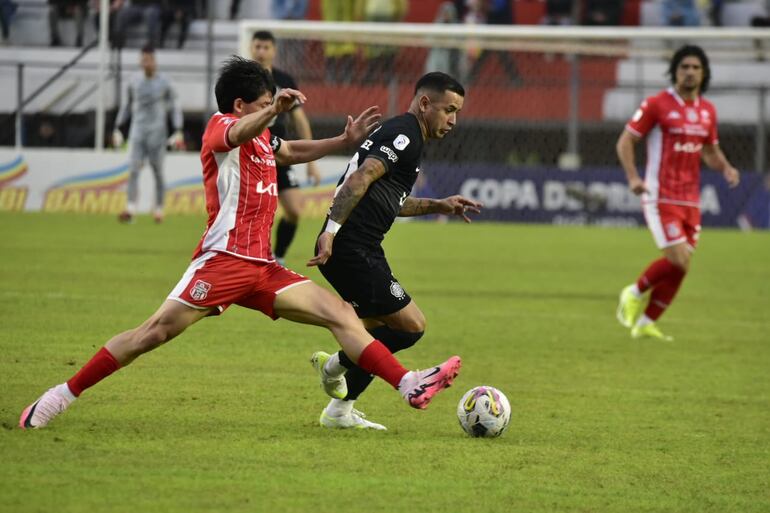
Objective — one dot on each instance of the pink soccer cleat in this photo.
(419, 387)
(50, 404)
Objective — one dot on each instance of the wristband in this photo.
(332, 227)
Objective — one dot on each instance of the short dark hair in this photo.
(263, 35)
(148, 49)
(691, 51)
(241, 78)
(439, 82)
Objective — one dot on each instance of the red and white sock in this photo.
(378, 360)
(656, 273)
(663, 293)
(101, 365)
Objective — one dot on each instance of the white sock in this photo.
(339, 408)
(635, 291)
(406, 382)
(64, 390)
(333, 366)
(131, 207)
(644, 321)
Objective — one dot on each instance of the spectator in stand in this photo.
(602, 12)
(380, 59)
(762, 21)
(180, 11)
(340, 58)
(75, 9)
(494, 12)
(290, 9)
(558, 12)
(293, 56)
(115, 6)
(444, 59)
(680, 13)
(7, 10)
(134, 11)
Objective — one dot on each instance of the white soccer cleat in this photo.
(334, 386)
(418, 387)
(50, 404)
(353, 420)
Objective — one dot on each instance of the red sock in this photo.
(378, 360)
(656, 273)
(663, 294)
(101, 365)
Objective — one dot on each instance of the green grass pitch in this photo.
(225, 417)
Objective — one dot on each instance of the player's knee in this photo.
(414, 324)
(343, 315)
(681, 260)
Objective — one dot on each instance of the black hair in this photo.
(691, 51)
(439, 82)
(148, 49)
(241, 78)
(263, 35)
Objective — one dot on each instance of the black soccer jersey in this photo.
(398, 144)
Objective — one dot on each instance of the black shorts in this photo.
(287, 178)
(362, 277)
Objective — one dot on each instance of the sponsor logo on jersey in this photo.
(397, 290)
(674, 115)
(401, 142)
(688, 147)
(259, 160)
(270, 188)
(692, 115)
(200, 290)
(390, 153)
(672, 229)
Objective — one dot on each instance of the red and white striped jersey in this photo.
(241, 192)
(676, 131)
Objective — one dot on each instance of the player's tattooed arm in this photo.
(354, 188)
(418, 207)
(453, 205)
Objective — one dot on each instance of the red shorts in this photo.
(672, 224)
(218, 280)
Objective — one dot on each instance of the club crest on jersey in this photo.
(270, 188)
(401, 142)
(397, 290)
(672, 229)
(200, 290)
(692, 115)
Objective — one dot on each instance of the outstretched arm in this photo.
(296, 152)
(716, 160)
(453, 205)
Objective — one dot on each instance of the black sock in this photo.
(283, 237)
(357, 378)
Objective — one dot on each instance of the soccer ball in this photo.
(484, 412)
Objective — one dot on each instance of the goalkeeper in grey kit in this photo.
(148, 98)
